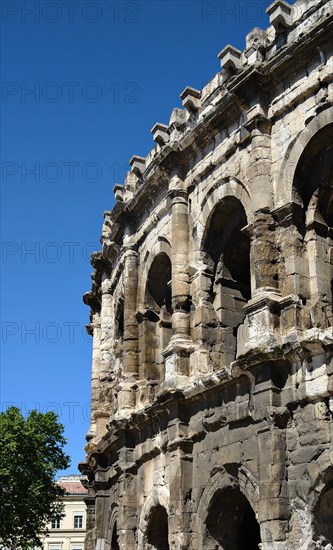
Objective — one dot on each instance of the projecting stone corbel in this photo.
(257, 119)
(160, 133)
(138, 165)
(147, 315)
(280, 15)
(230, 59)
(255, 46)
(191, 99)
(118, 192)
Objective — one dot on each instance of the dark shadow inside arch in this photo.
(231, 521)
(323, 516)
(159, 283)
(114, 540)
(228, 246)
(157, 531)
(119, 317)
(226, 250)
(314, 172)
(155, 321)
(313, 188)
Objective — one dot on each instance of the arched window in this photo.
(157, 537)
(227, 248)
(155, 321)
(313, 187)
(231, 522)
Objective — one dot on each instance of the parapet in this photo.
(288, 24)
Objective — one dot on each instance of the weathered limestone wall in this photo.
(211, 312)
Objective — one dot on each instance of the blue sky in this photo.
(82, 85)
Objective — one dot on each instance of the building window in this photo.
(78, 522)
(55, 523)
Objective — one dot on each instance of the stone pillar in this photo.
(180, 267)
(180, 346)
(130, 322)
(264, 255)
(259, 167)
(265, 258)
(95, 331)
(128, 506)
(204, 319)
(293, 271)
(127, 397)
(293, 267)
(320, 261)
(180, 483)
(106, 356)
(273, 506)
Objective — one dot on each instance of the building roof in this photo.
(72, 484)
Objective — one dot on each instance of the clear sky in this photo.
(83, 82)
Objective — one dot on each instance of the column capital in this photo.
(178, 195)
(130, 251)
(129, 245)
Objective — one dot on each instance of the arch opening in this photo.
(313, 188)
(114, 540)
(159, 284)
(157, 530)
(227, 254)
(231, 523)
(314, 172)
(119, 318)
(155, 322)
(323, 517)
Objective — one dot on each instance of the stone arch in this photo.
(224, 498)
(112, 535)
(155, 315)
(293, 155)
(306, 179)
(158, 283)
(313, 176)
(225, 251)
(162, 246)
(158, 530)
(119, 319)
(156, 318)
(227, 187)
(114, 539)
(319, 499)
(231, 522)
(323, 517)
(225, 236)
(249, 485)
(155, 506)
(313, 188)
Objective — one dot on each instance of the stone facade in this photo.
(211, 312)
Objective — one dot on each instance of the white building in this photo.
(68, 533)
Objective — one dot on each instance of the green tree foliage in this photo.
(31, 452)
